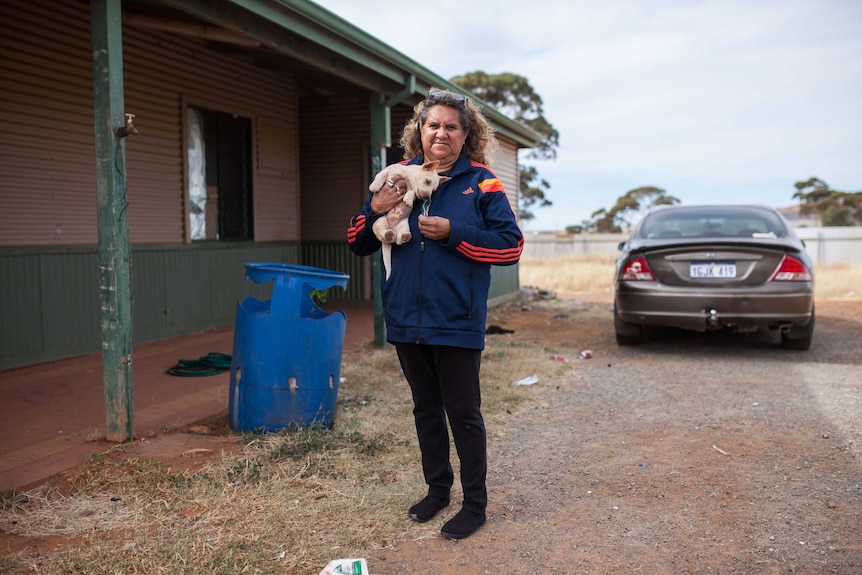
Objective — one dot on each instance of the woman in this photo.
(435, 300)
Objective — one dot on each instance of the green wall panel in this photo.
(504, 284)
(70, 300)
(20, 306)
(49, 297)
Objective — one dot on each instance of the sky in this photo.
(714, 101)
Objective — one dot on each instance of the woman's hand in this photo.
(390, 195)
(434, 227)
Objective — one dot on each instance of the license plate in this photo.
(712, 270)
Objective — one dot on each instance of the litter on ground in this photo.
(526, 381)
(346, 567)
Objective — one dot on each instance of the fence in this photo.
(826, 246)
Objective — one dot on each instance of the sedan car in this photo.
(713, 267)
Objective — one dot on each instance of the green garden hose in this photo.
(210, 364)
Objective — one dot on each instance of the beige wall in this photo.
(505, 165)
(47, 166)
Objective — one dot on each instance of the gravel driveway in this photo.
(691, 454)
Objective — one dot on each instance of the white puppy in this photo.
(394, 228)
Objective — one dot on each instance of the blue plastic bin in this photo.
(286, 361)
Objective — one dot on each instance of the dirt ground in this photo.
(693, 454)
(690, 454)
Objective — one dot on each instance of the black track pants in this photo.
(445, 383)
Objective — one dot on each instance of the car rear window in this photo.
(712, 222)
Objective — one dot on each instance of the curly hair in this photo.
(480, 143)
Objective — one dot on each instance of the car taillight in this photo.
(637, 270)
(791, 270)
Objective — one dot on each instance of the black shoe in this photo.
(427, 508)
(464, 524)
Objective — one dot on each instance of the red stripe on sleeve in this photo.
(491, 255)
(356, 226)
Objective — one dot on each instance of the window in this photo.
(219, 175)
(711, 222)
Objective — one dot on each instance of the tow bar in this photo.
(712, 318)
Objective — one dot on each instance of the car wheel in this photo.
(799, 337)
(627, 333)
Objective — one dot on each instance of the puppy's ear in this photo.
(444, 179)
(430, 166)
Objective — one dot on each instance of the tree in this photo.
(835, 208)
(531, 194)
(630, 208)
(513, 96)
(838, 216)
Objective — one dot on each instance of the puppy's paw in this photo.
(388, 236)
(377, 184)
(404, 237)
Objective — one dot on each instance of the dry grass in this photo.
(286, 503)
(596, 273)
(569, 274)
(838, 282)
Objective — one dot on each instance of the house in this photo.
(795, 219)
(252, 130)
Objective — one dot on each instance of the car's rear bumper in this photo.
(782, 305)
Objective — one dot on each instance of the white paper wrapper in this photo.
(526, 381)
(346, 567)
